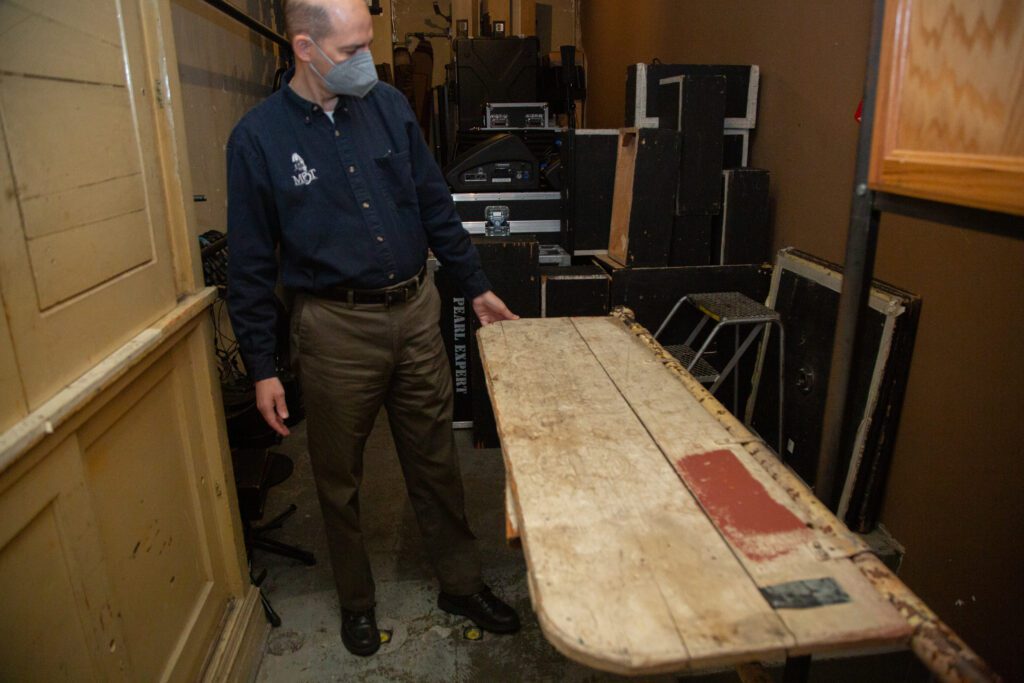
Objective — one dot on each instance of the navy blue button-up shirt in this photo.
(351, 203)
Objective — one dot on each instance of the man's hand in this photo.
(490, 309)
(270, 402)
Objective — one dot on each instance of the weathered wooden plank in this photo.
(769, 533)
(627, 573)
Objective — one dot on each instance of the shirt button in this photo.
(351, 169)
(379, 238)
(391, 276)
(366, 205)
(337, 133)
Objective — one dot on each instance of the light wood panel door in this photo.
(61, 623)
(949, 116)
(85, 260)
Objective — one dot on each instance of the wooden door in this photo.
(949, 118)
(84, 249)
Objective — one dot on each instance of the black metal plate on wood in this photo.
(807, 298)
(805, 594)
(573, 291)
(512, 266)
(594, 176)
(744, 234)
(695, 106)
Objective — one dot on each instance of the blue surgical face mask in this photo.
(355, 76)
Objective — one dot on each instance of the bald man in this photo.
(331, 184)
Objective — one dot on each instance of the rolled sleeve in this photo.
(253, 234)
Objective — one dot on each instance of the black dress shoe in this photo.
(359, 632)
(485, 609)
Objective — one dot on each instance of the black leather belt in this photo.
(396, 294)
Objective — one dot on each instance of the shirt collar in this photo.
(307, 108)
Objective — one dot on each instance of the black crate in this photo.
(740, 99)
(573, 291)
(646, 178)
(695, 106)
(805, 291)
(691, 240)
(593, 180)
(494, 70)
(744, 235)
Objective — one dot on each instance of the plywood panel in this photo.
(949, 117)
(81, 172)
(622, 202)
(139, 473)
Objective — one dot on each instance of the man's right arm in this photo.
(253, 235)
(252, 259)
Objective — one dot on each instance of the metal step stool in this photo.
(727, 309)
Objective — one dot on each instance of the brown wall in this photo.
(954, 497)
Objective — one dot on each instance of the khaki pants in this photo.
(351, 360)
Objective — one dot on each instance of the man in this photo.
(332, 171)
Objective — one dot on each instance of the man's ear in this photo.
(302, 47)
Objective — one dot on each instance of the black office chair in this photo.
(257, 467)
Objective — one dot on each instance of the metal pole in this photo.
(857, 274)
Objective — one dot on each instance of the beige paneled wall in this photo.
(13, 405)
(83, 218)
(121, 554)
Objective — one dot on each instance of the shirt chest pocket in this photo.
(395, 171)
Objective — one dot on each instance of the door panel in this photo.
(86, 264)
(57, 598)
(140, 474)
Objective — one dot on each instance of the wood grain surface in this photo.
(949, 115)
(649, 530)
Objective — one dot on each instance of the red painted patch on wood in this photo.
(740, 506)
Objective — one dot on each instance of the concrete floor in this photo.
(428, 644)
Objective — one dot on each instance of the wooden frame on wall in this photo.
(949, 115)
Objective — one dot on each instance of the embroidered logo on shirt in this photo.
(303, 175)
